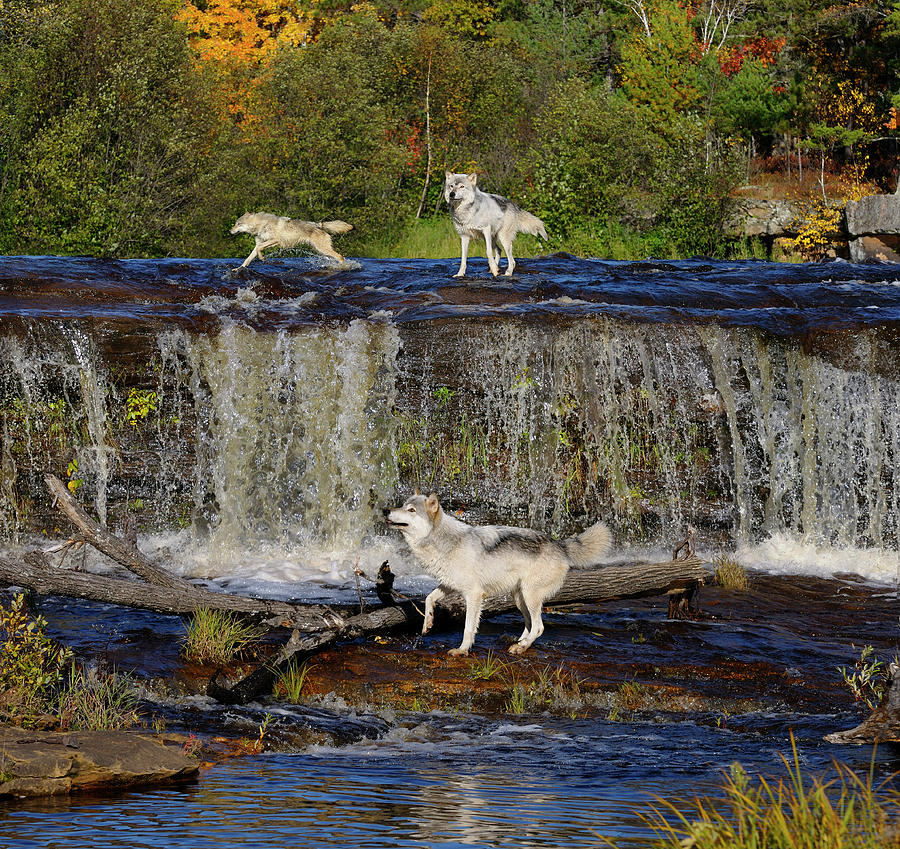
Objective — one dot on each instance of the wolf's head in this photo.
(459, 188)
(244, 224)
(416, 518)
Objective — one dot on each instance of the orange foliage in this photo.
(231, 36)
(766, 50)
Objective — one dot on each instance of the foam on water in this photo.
(785, 554)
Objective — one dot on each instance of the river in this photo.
(253, 424)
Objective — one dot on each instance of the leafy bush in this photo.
(31, 664)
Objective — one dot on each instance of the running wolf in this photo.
(273, 231)
(477, 214)
(490, 560)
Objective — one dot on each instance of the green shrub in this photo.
(31, 664)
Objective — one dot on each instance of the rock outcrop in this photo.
(48, 763)
(873, 223)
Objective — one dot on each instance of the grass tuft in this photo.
(729, 573)
(94, 702)
(484, 670)
(289, 685)
(848, 812)
(215, 636)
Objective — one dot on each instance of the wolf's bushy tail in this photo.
(336, 227)
(589, 546)
(531, 224)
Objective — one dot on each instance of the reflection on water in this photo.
(444, 781)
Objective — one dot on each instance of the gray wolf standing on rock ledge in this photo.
(485, 561)
(273, 231)
(477, 214)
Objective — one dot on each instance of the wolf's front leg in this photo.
(253, 254)
(474, 602)
(463, 256)
(433, 597)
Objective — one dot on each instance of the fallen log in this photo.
(112, 546)
(321, 626)
(883, 724)
(37, 574)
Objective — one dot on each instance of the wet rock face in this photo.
(48, 763)
(873, 223)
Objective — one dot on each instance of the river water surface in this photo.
(759, 402)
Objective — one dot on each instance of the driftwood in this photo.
(883, 724)
(317, 626)
(36, 573)
(112, 546)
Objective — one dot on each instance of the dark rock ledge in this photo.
(48, 763)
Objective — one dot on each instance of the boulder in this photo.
(756, 218)
(873, 223)
(874, 215)
(47, 763)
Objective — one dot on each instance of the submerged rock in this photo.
(47, 763)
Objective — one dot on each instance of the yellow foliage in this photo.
(818, 229)
(844, 104)
(244, 32)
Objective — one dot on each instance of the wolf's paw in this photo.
(459, 274)
(426, 625)
(458, 652)
(517, 648)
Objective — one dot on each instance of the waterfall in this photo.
(294, 444)
(55, 400)
(288, 442)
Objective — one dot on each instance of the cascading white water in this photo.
(678, 424)
(286, 444)
(294, 448)
(57, 392)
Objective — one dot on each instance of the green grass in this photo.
(484, 670)
(847, 812)
(436, 238)
(215, 636)
(289, 685)
(94, 702)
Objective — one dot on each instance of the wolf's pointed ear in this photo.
(448, 175)
(416, 491)
(432, 505)
(473, 178)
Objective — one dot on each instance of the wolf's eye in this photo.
(411, 509)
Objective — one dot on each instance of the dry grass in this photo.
(729, 573)
(847, 812)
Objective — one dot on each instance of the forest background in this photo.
(631, 127)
